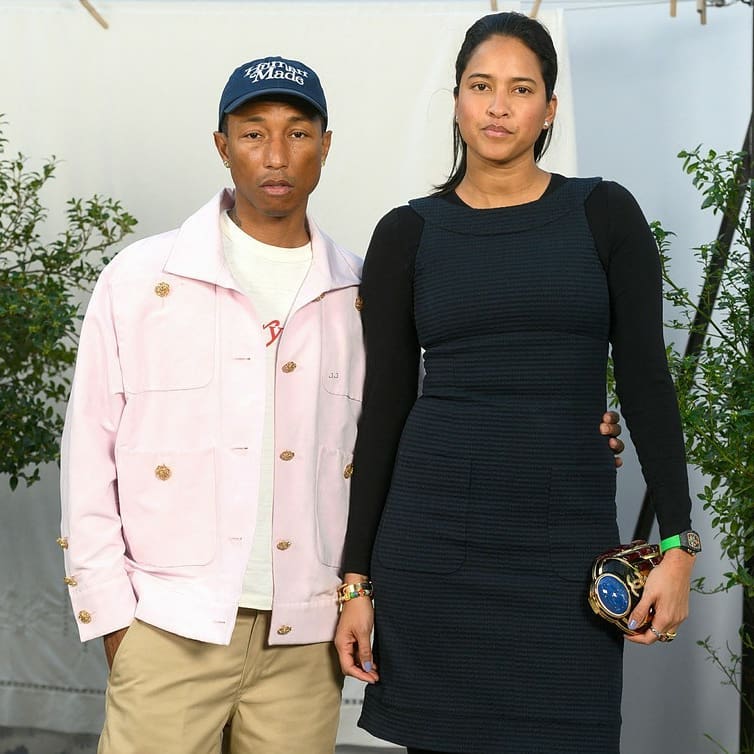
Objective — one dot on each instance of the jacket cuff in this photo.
(101, 609)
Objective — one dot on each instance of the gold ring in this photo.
(662, 636)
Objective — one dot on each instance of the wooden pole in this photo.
(94, 13)
(673, 8)
(701, 9)
(535, 8)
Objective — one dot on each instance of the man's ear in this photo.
(221, 144)
(326, 142)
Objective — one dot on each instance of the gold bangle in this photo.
(348, 592)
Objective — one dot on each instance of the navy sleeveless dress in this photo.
(484, 640)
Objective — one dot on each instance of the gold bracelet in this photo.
(348, 592)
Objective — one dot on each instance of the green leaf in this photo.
(41, 274)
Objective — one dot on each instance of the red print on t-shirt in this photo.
(275, 330)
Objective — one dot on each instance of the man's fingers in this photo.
(616, 445)
(609, 429)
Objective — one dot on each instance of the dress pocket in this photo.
(423, 526)
(167, 506)
(581, 518)
(334, 470)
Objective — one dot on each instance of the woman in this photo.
(515, 282)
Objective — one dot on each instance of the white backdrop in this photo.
(129, 112)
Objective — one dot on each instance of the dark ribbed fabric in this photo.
(484, 640)
(629, 257)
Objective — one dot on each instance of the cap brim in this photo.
(267, 94)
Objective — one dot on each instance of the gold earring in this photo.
(226, 163)
(323, 161)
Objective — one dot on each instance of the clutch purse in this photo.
(618, 578)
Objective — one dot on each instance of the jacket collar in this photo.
(198, 253)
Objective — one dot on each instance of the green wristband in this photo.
(670, 543)
(687, 540)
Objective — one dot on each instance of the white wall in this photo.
(645, 87)
(130, 112)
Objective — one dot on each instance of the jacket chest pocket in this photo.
(166, 333)
(342, 345)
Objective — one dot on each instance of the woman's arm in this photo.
(390, 389)
(646, 391)
(392, 375)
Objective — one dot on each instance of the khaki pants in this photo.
(171, 695)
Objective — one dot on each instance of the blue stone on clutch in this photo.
(613, 595)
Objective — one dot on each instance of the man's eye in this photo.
(480, 86)
(299, 134)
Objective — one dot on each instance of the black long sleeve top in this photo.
(647, 396)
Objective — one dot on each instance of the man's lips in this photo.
(276, 188)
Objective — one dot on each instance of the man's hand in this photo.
(611, 427)
(112, 642)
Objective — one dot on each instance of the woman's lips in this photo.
(496, 131)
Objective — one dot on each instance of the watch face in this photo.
(692, 540)
(613, 595)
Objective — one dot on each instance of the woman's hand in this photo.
(667, 591)
(353, 638)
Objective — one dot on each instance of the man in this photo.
(207, 450)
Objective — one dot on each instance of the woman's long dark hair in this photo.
(538, 40)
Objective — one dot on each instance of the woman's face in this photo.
(501, 105)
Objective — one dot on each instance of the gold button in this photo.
(287, 455)
(289, 366)
(320, 297)
(348, 471)
(283, 544)
(163, 473)
(162, 289)
(359, 303)
(63, 542)
(70, 581)
(85, 617)
(283, 630)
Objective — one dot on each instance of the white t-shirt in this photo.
(271, 277)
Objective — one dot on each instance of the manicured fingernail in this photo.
(367, 666)
(632, 624)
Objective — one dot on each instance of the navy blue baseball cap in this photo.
(269, 76)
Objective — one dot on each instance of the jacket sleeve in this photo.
(100, 589)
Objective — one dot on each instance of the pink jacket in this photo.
(160, 453)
